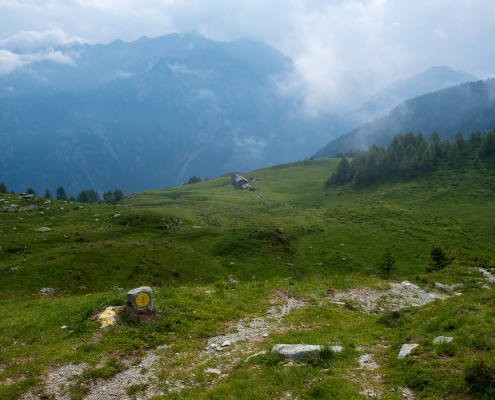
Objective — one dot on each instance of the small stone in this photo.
(406, 349)
(45, 292)
(442, 339)
(43, 229)
(213, 371)
(256, 355)
(116, 215)
(265, 334)
(226, 344)
(64, 327)
(441, 287)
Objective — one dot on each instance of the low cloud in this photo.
(10, 61)
(29, 42)
(344, 50)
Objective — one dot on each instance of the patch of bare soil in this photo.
(178, 371)
(399, 295)
(57, 380)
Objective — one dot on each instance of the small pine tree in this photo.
(108, 196)
(3, 188)
(194, 179)
(459, 139)
(428, 159)
(438, 258)
(83, 197)
(343, 170)
(47, 194)
(30, 191)
(60, 194)
(72, 198)
(117, 196)
(454, 154)
(93, 195)
(387, 262)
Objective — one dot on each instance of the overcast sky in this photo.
(345, 50)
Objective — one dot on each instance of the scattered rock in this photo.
(442, 339)
(96, 216)
(226, 344)
(406, 349)
(488, 276)
(48, 202)
(300, 351)
(213, 371)
(32, 207)
(43, 229)
(63, 327)
(116, 288)
(76, 207)
(116, 215)
(107, 317)
(46, 292)
(9, 209)
(256, 355)
(443, 288)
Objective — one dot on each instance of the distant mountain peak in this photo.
(432, 79)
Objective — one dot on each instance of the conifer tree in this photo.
(83, 197)
(343, 170)
(428, 160)
(60, 194)
(459, 139)
(454, 154)
(47, 194)
(387, 262)
(3, 188)
(487, 145)
(438, 258)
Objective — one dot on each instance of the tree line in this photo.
(410, 155)
(85, 196)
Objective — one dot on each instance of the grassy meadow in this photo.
(187, 242)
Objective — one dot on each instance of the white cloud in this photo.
(10, 61)
(30, 41)
(344, 50)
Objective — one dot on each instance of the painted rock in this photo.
(140, 299)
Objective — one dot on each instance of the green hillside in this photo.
(301, 241)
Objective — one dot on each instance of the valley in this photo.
(296, 266)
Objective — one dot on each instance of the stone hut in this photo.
(239, 181)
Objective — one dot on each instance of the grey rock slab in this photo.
(300, 351)
(43, 229)
(406, 349)
(296, 351)
(442, 339)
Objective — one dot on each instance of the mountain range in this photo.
(154, 112)
(379, 105)
(462, 108)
